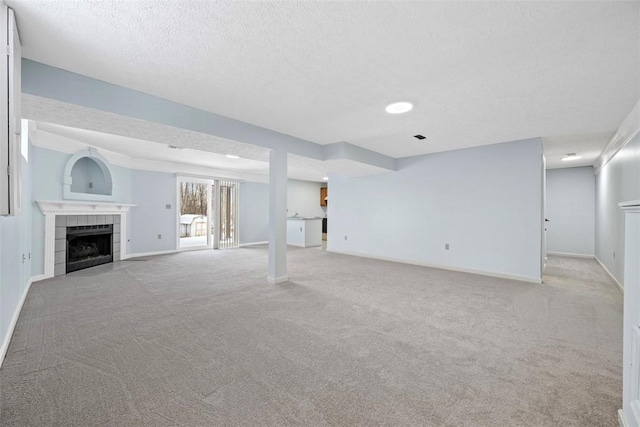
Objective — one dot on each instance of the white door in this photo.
(631, 328)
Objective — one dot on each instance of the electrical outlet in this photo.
(91, 185)
(614, 254)
(159, 236)
(167, 206)
(446, 246)
(345, 237)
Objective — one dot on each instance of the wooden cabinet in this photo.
(323, 196)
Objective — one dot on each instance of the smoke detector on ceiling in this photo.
(571, 156)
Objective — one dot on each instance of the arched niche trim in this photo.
(87, 177)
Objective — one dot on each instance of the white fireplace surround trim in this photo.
(66, 207)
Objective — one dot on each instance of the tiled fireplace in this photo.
(101, 228)
(84, 241)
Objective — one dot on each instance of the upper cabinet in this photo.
(323, 196)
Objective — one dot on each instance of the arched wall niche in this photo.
(87, 177)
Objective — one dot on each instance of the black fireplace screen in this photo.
(88, 246)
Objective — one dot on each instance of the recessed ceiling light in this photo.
(571, 156)
(233, 156)
(325, 178)
(399, 107)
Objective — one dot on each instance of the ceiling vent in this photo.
(420, 136)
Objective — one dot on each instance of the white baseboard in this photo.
(266, 242)
(277, 280)
(297, 245)
(38, 278)
(138, 255)
(445, 267)
(14, 318)
(572, 255)
(622, 421)
(302, 245)
(611, 276)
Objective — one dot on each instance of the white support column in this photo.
(49, 243)
(277, 216)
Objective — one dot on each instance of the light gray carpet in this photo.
(200, 338)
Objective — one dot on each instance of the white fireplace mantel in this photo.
(51, 209)
(68, 207)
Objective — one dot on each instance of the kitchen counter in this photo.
(304, 231)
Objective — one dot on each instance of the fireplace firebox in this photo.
(88, 246)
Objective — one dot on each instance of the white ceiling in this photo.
(588, 147)
(478, 72)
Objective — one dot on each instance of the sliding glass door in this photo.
(194, 218)
(208, 213)
(228, 214)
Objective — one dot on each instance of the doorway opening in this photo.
(194, 215)
(208, 213)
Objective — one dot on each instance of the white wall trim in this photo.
(611, 276)
(195, 248)
(276, 280)
(622, 421)
(14, 318)
(266, 242)
(298, 245)
(572, 255)
(444, 267)
(141, 254)
(629, 128)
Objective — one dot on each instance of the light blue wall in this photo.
(12, 285)
(485, 202)
(151, 192)
(254, 212)
(303, 198)
(48, 173)
(618, 181)
(87, 177)
(571, 199)
(14, 242)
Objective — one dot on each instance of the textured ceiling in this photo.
(588, 146)
(478, 72)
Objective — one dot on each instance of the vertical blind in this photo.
(228, 214)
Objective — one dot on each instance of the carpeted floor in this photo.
(201, 339)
